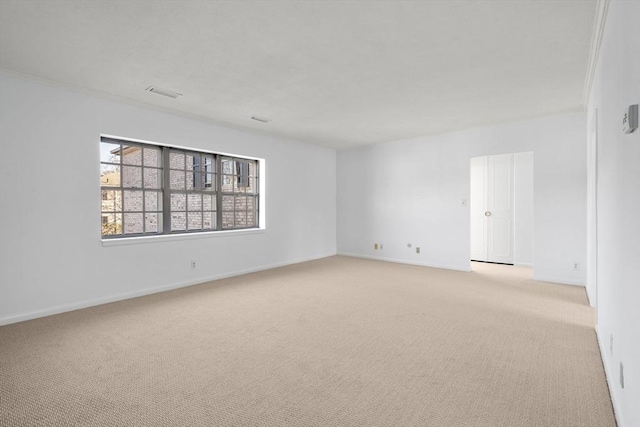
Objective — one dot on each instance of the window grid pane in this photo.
(239, 193)
(126, 168)
(193, 206)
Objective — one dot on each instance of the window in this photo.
(150, 189)
(193, 203)
(239, 193)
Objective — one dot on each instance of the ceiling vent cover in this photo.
(165, 92)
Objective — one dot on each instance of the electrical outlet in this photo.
(193, 265)
(375, 246)
(576, 266)
(417, 249)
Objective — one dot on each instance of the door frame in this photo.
(592, 211)
(532, 220)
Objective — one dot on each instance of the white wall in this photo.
(51, 253)
(410, 192)
(616, 86)
(523, 208)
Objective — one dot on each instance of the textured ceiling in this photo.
(334, 73)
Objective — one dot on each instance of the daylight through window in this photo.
(150, 189)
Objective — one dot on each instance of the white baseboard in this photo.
(560, 280)
(148, 291)
(523, 264)
(591, 303)
(616, 407)
(402, 261)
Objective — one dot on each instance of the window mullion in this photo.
(166, 192)
(218, 192)
(122, 188)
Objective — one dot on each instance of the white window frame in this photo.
(164, 231)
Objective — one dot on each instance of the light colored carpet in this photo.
(334, 342)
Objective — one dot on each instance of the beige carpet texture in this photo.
(335, 342)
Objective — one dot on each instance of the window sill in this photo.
(175, 237)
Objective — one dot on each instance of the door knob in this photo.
(487, 213)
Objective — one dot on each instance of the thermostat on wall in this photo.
(630, 119)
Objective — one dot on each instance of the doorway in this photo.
(501, 209)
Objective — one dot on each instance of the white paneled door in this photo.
(492, 208)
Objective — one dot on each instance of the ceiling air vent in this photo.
(260, 119)
(164, 92)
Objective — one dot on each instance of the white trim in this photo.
(523, 264)
(148, 291)
(401, 261)
(559, 280)
(591, 279)
(617, 412)
(591, 304)
(596, 39)
(174, 237)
